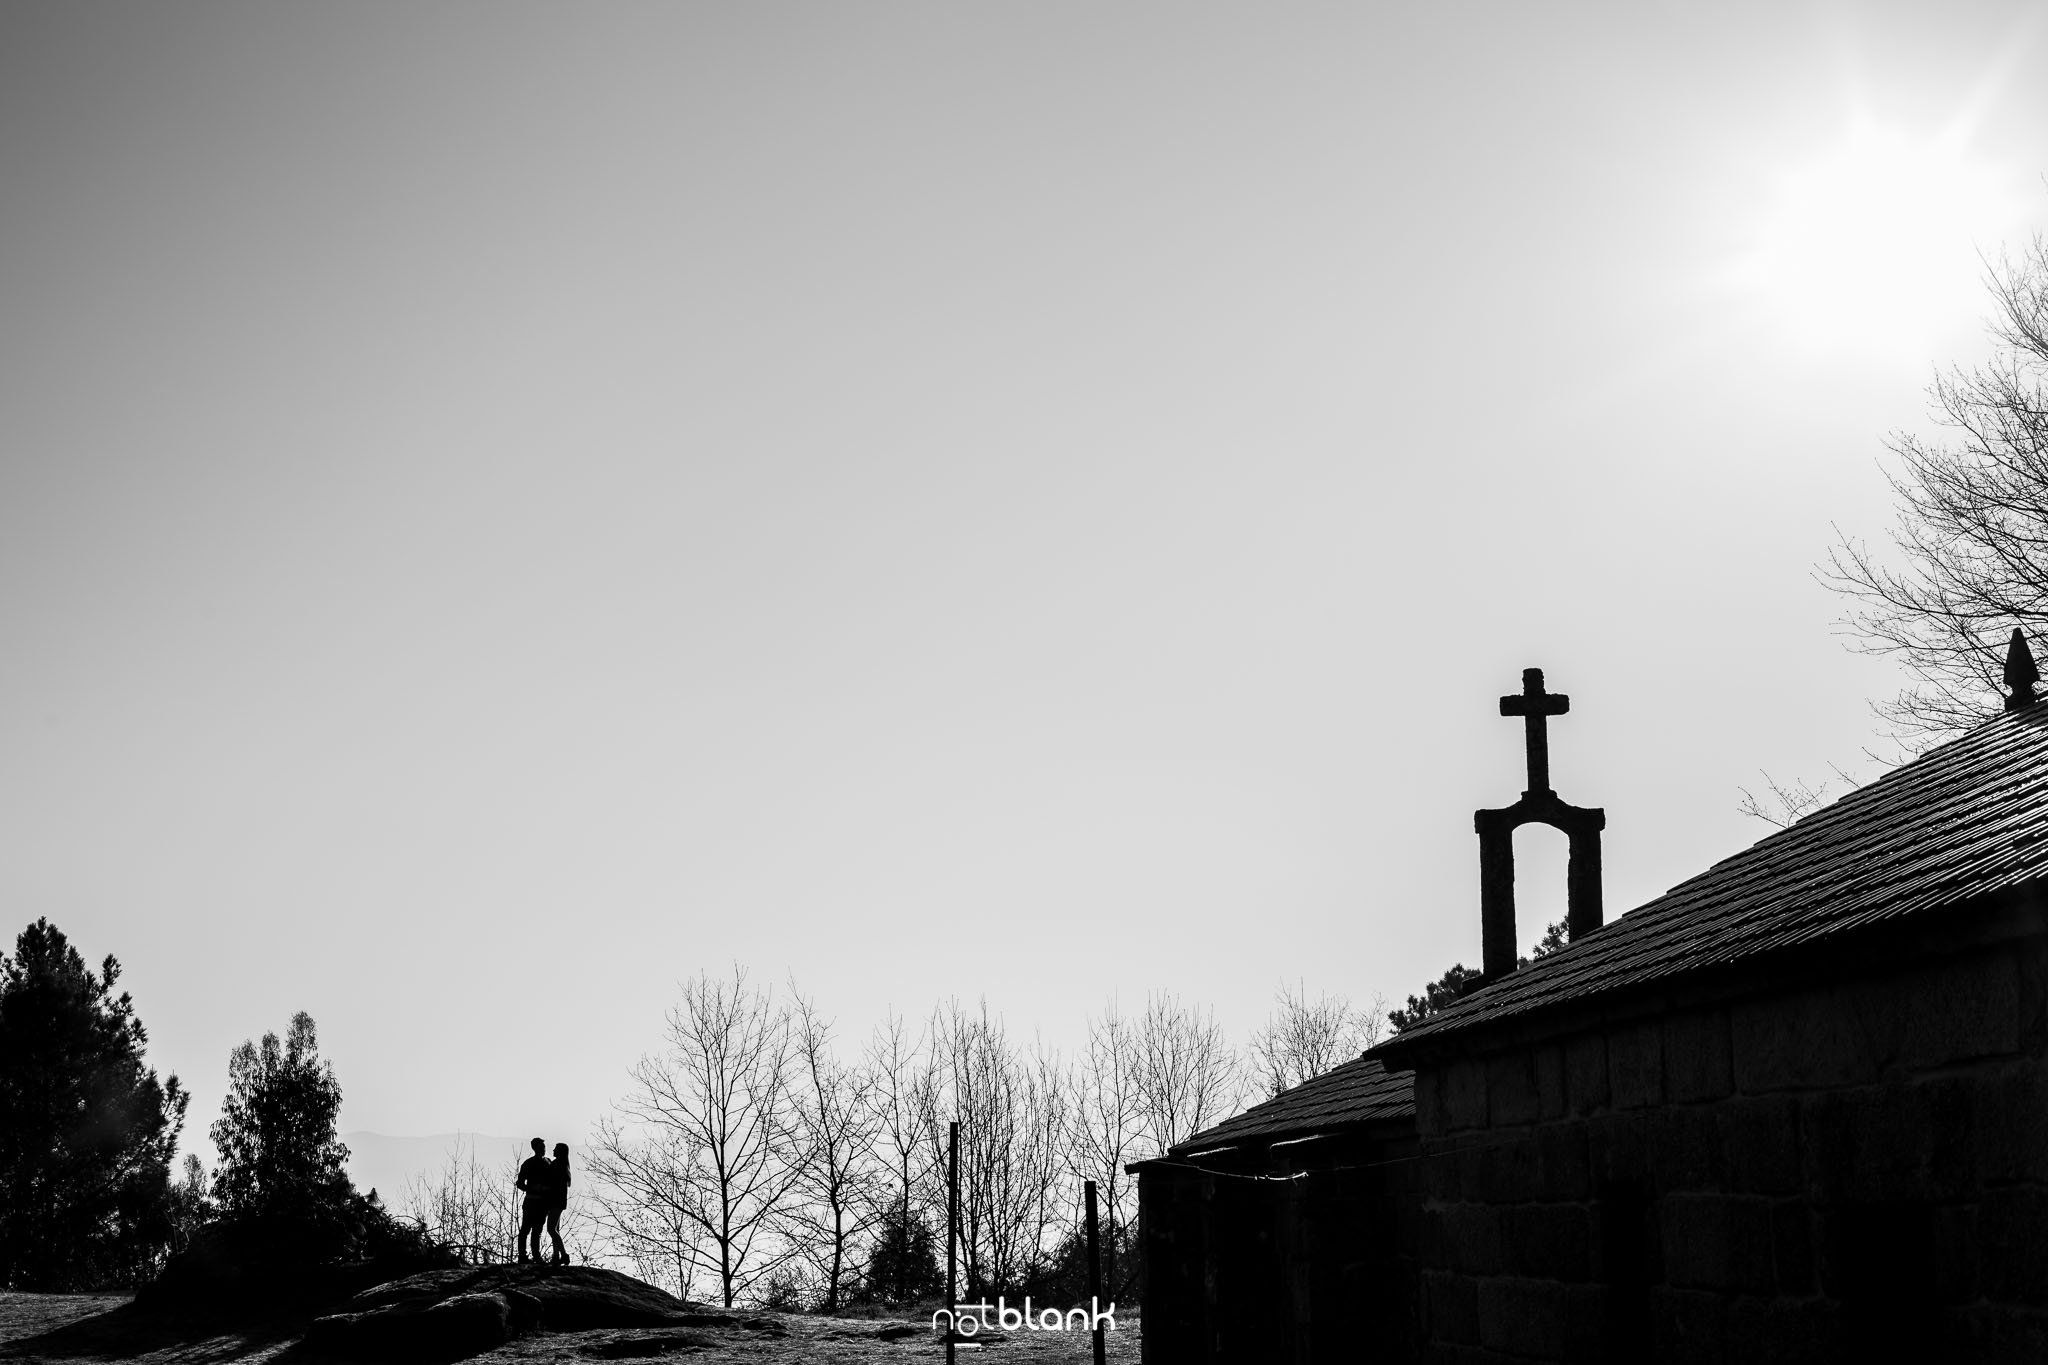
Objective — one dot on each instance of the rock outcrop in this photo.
(248, 1269)
(447, 1314)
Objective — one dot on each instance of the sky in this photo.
(506, 507)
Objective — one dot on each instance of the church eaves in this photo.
(1359, 1093)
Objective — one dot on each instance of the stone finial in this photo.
(2020, 673)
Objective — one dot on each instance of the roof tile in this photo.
(1360, 1091)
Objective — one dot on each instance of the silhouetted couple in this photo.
(546, 1185)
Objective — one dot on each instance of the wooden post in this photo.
(1095, 1274)
(952, 1234)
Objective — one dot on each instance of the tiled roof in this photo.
(1359, 1091)
(1963, 820)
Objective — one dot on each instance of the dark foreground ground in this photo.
(86, 1329)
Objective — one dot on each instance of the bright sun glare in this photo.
(1877, 244)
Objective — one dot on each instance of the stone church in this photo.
(1794, 1109)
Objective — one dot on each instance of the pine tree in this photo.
(282, 1166)
(87, 1134)
(905, 1264)
(1443, 992)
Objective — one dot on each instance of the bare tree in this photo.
(469, 1206)
(705, 1135)
(1784, 804)
(1054, 1199)
(1011, 1107)
(1188, 1074)
(905, 1088)
(837, 1180)
(1108, 1123)
(647, 1193)
(1972, 535)
(1305, 1038)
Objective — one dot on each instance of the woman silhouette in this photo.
(558, 1192)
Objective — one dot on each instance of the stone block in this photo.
(1835, 1129)
(1695, 1240)
(1877, 1256)
(1549, 1242)
(1684, 1148)
(1507, 1171)
(1956, 1248)
(1997, 1335)
(1549, 1063)
(1585, 1324)
(1450, 1306)
(1585, 1074)
(2012, 1225)
(1829, 1140)
(1959, 1009)
(1522, 1241)
(1698, 1063)
(2009, 1112)
(1901, 1141)
(1455, 1172)
(1799, 1041)
(1471, 1239)
(1403, 1213)
(1937, 1121)
(1719, 1242)
(1625, 1242)
(1616, 1148)
(1426, 1234)
(1563, 1171)
(1635, 1065)
(1792, 1247)
(1777, 1332)
(1874, 1010)
(1465, 1355)
(1464, 1085)
(1687, 1328)
(1522, 1317)
(1430, 1118)
(2030, 958)
(1510, 1089)
(1760, 1144)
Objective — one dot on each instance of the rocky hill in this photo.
(494, 1315)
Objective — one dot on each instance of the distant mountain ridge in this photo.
(387, 1164)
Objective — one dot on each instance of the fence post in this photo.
(1095, 1275)
(952, 1234)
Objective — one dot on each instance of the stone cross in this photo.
(1535, 707)
(1539, 806)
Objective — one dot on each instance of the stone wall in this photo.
(1847, 1170)
(1314, 1266)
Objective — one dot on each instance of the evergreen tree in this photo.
(1439, 994)
(1443, 992)
(87, 1133)
(281, 1164)
(905, 1262)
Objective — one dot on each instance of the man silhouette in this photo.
(536, 1182)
